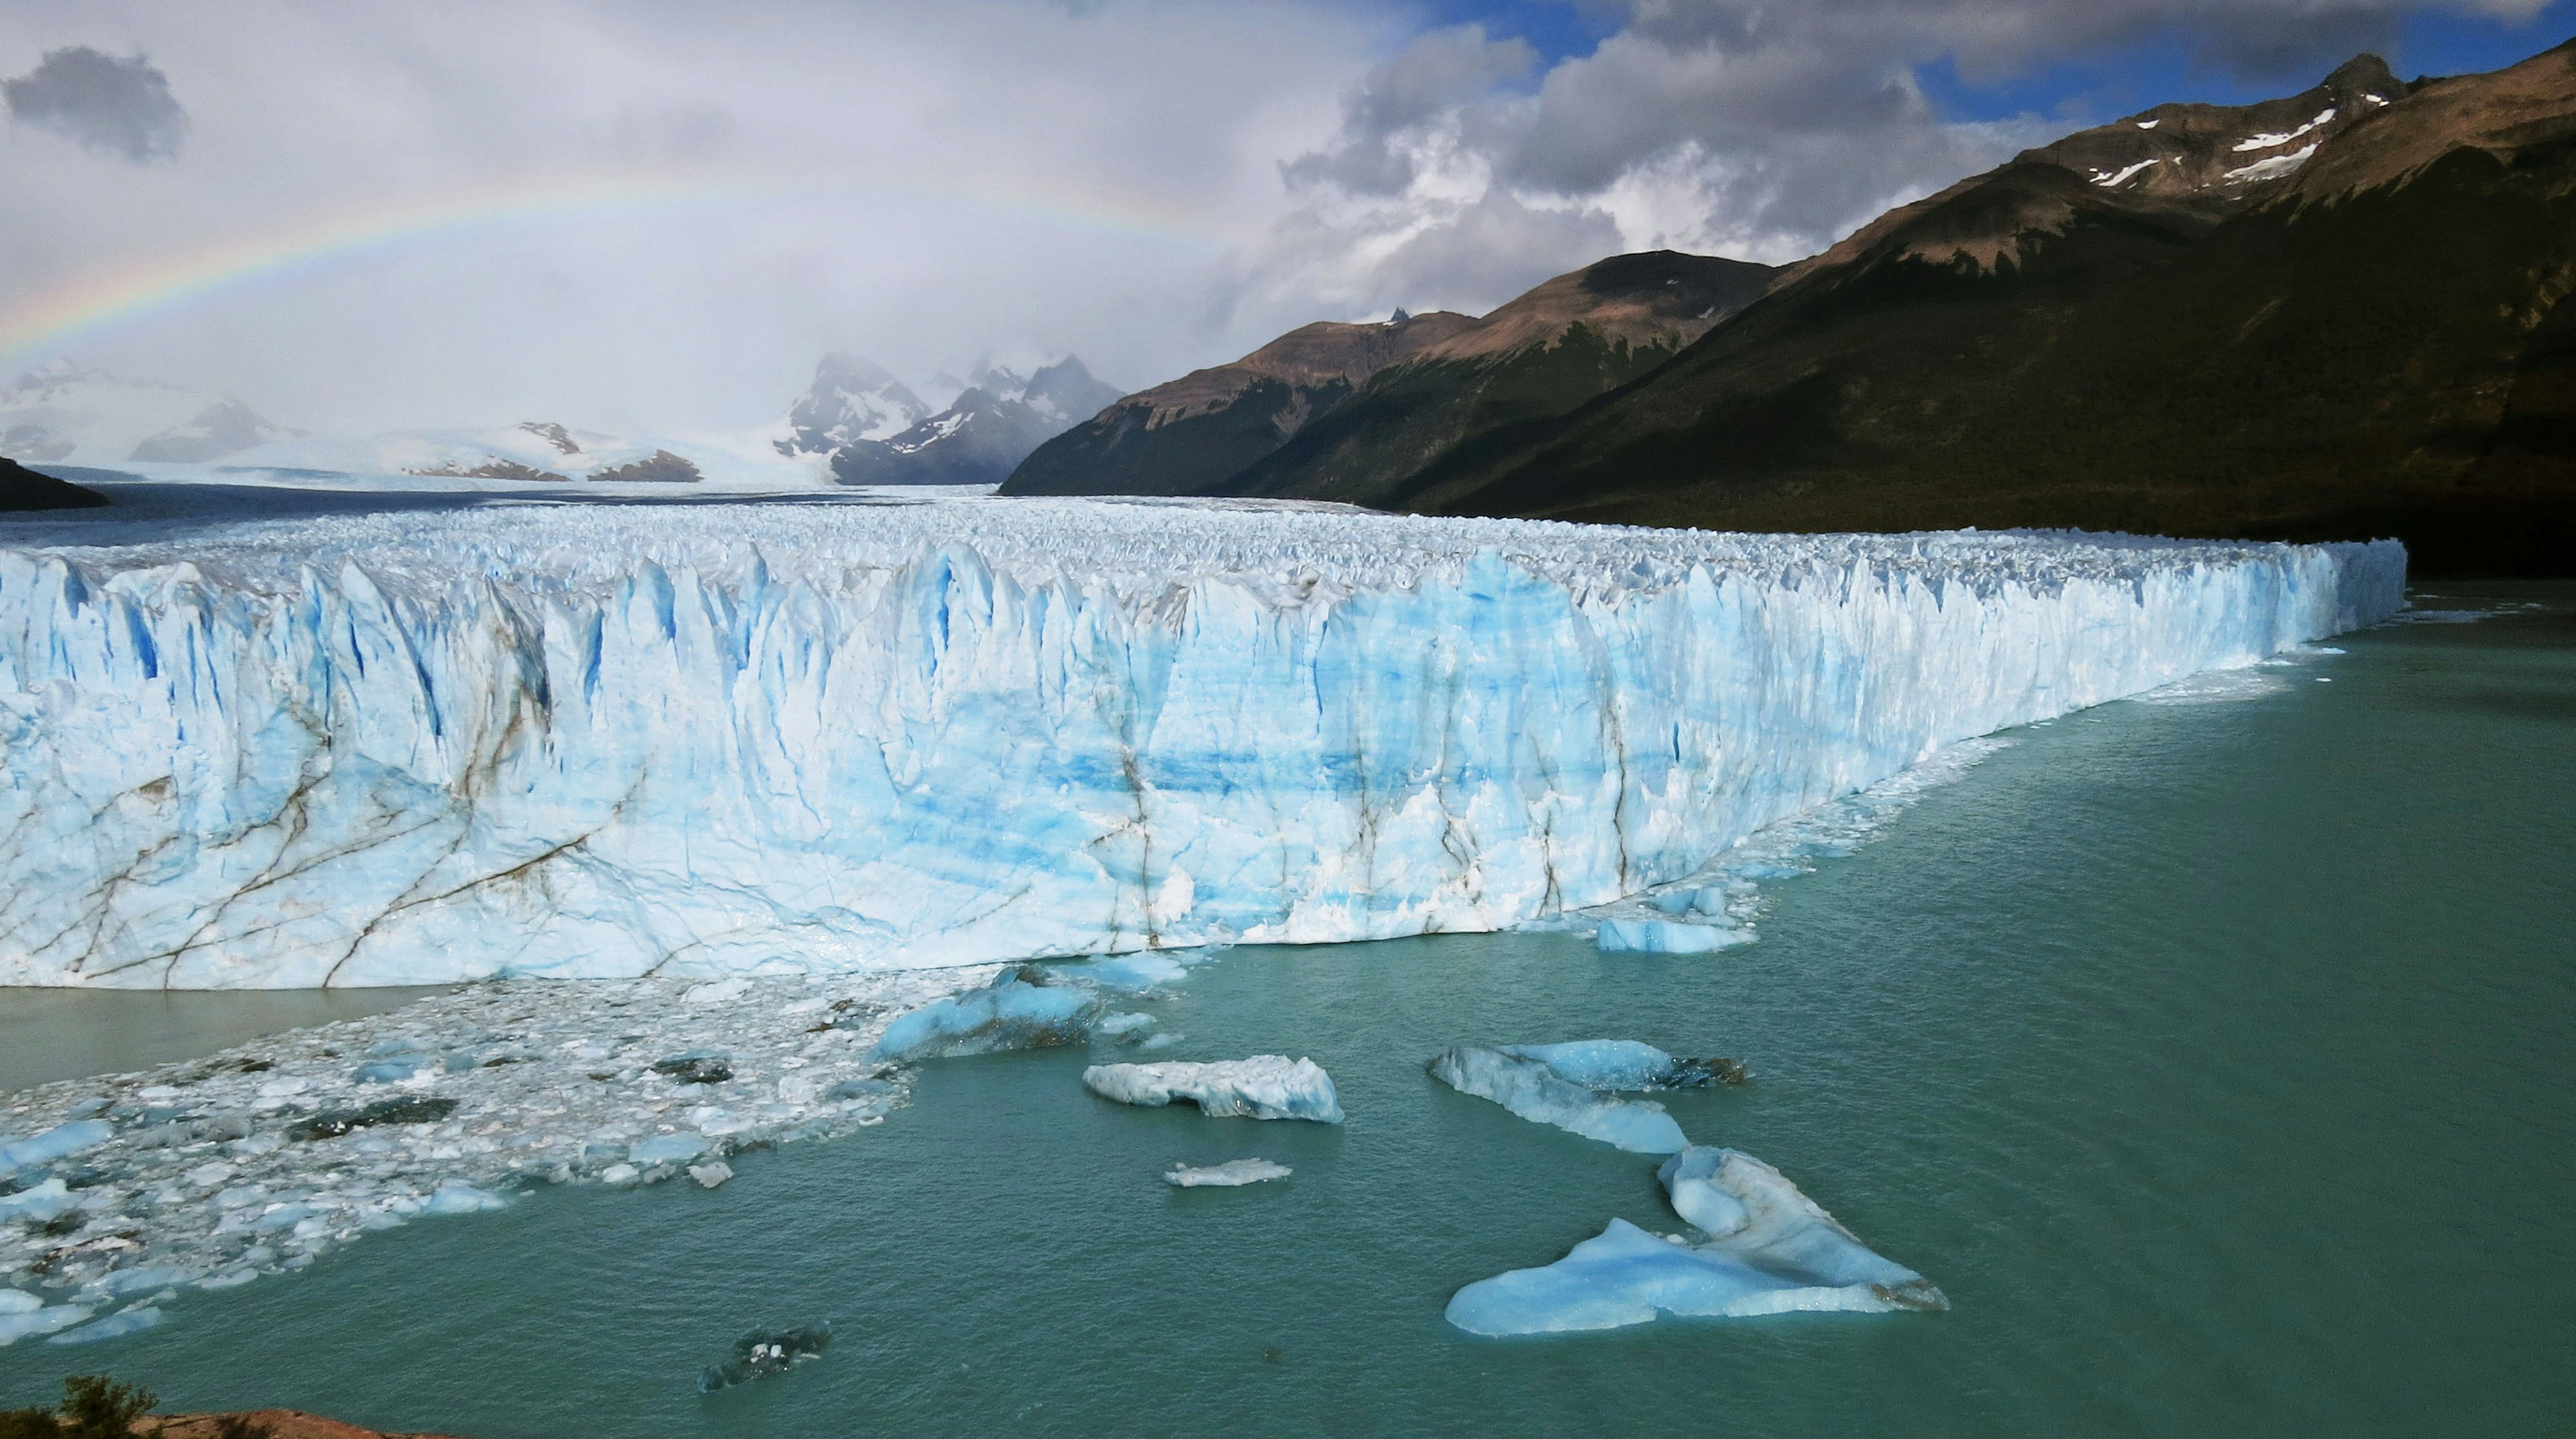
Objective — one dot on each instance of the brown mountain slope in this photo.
(2375, 340)
(1535, 358)
(1190, 434)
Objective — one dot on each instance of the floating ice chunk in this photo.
(19, 1301)
(1531, 1089)
(711, 1174)
(458, 1197)
(1232, 1174)
(281, 1088)
(1266, 1086)
(1132, 972)
(1007, 1014)
(1617, 1064)
(123, 1282)
(332, 1123)
(399, 1069)
(1117, 1024)
(697, 1066)
(620, 1174)
(1664, 936)
(48, 1200)
(668, 1149)
(1770, 1250)
(17, 1324)
(764, 1352)
(114, 1326)
(60, 1142)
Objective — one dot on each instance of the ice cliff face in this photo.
(592, 741)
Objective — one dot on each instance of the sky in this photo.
(647, 216)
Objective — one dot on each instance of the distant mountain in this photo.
(1194, 433)
(24, 489)
(979, 438)
(1534, 359)
(851, 399)
(66, 413)
(2340, 314)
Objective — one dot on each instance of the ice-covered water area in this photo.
(768, 779)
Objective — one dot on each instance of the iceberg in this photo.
(1006, 1014)
(1233, 1174)
(1564, 1085)
(60, 1142)
(114, 1326)
(707, 741)
(18, 1323)
(1534, 1092)
(1769, 1250)
(1266, 1086)
(764, 1352)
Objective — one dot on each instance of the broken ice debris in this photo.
(1232, 1174)
(332, 1123)
(18, 1319)
(60, 1142)
(1266, 1086)
(1663, 936)
(1770, 1250)
(764, 1352)
(1563, 1084)
(1009, 1013)
(114, 1326)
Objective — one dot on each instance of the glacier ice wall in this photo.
(601, 740)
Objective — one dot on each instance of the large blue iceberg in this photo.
(1572, 1086)
(693, 741)
(1769, 1250)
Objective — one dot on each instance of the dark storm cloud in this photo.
(122, 107)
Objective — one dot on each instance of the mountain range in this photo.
(991, 427)
(2338, 314)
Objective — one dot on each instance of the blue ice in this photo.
(1006, 1014)
(1266, 1086)
(60, 1142)
(1768, 1249)
(1522, 1079)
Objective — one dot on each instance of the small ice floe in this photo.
(2213, 687)
(1116, 1025)
(60, 1142)
(1572, 1086)
(764, 1352)
(1232, 1174)
(711, 1174)
(114, 1326)
(458, 1197)
(1266, 1086)
(24, 1316)
(1010, 1013)
(1769, 1249)
(1663, 936)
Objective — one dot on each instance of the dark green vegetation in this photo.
(24, 489)
(1335, 411)
(97, 1407)
(2381, 345)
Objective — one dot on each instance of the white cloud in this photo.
(655, 214)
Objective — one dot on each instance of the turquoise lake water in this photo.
(2215, 1059)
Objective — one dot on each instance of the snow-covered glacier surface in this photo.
(605, 741)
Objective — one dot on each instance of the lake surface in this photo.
(2215, 1059)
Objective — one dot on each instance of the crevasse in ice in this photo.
(1769, 1250)
(696, 741)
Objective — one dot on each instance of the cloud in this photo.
(123, 107)
(1746, 127)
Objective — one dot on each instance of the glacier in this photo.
(1769, 1250)
(603, 741)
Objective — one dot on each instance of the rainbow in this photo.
(86, 308)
